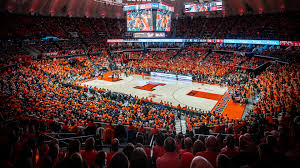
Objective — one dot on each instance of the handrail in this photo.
(87, 136)
(66, 133)
(104, 123)
(151, 145)
(70, 138)
(214, 134)
(151, 142)
(49, 136)
(121, 146)
(180, 124)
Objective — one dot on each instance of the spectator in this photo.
(89, 154)
(211, 152)
(220, 141)
(120, 132)
(141, 129)
(170, 158)
(128, 150)
(188, 144)
(186, 159)
(119, 160)
(53, 153)
(229, 150)
(158, 149)
(76, 161)
(223, 161)
(140, 140)
(139, 159)
(267, 157)
(186, 156)
(247, 155)
(200, 162)
(100, 159)
(25, 160)
(73, 148)
(114, 149)
(198, 147)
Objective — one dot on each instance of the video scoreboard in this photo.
(204, 7)
(148, 17)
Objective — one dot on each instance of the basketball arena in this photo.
(149, 83)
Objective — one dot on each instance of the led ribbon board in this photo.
(228, 41)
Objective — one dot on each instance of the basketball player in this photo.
(163, 22)
(138, 21)
(158, 18)
(101, 75)
(145, 22)
(130, 19)
(143, 75)
(125, 71)
(167, 22)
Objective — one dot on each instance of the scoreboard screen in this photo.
(163, 20)
(139, 20)
(148, 17)
(204, 7)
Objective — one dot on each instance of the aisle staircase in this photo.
(202, 28)
(180, 124)
(33, 51)
(207, 54)
(106, 30)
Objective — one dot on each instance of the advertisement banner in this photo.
(215, 40)
(149, 35)
(50, 54)
(289, 43)
(261, 42)
(229, 41)
(219, 40)
(121, 40)
(162, 40)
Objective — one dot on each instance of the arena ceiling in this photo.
(113, 8)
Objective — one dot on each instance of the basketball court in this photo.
(202, 96)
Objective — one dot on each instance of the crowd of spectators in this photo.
(281, 26)
(256, 142)
(90, 34)
(45, 91)
(200, 63)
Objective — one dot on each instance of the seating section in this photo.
(89, 35)
(282, 26)
(55, 103)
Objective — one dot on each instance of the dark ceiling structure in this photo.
(113, 8)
